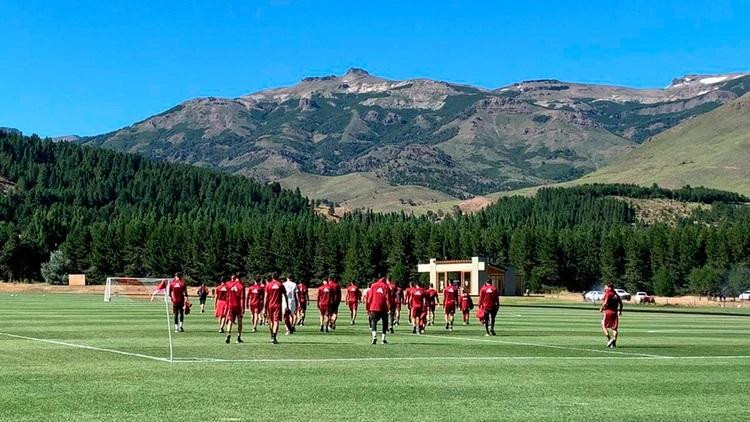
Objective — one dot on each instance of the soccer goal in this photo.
(139, 308)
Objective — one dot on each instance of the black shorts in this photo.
(202, 300)
(333, 309)
(379, 316)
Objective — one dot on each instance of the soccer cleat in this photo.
(182, 330)
(611, 343)
(391, 330)
(447, 326)
(385, 341)
(614, 344)
(229, 339)
(274, 341)
(321, 328)
(414, 330)
(239, 340)
(352, 322)
(255, 330)
(374, 341)
(486, 334)
(493, 332)
(221, 331)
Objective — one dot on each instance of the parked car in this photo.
(593, 296)
(643, 297)
(745, 295)
(623, 294)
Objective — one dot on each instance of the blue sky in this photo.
(92, 67)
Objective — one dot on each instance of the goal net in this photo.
(140, 310)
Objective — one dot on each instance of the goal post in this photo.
(142, 296)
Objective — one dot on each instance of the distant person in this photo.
(254, 303)
(398, 298)
(202, 296)
(612, 309)
(378, 309)
(292, 302)
(324, 303)
(304, 299)
(235, 307)
(353, 298)
(394, 295)
(407, 298)
(450, 300)
(466, 304)
(418, 309)
(178, 294)
(274, 301)
(220, 304)
(432, 302)
(335, 302)
(489, 303)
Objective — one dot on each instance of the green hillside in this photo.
(711, 150)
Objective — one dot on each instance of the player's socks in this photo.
(229, 339)
(614, 343)
(321, 328)
(447, 326)
(414, 330)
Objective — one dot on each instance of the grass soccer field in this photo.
(73, 357)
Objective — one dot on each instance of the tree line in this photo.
(74, 209)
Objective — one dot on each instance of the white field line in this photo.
(83, 346)
(630, 356)
(551, 346)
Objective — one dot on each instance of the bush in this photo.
(55, 271)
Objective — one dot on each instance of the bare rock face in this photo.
(459, 139)
(307, 104)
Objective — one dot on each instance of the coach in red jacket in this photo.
(379, 306)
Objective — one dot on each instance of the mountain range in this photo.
(419, 141)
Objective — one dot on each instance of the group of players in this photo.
(272, 301)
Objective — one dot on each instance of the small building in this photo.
(471, 274)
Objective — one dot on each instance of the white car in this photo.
(623, 294)
(593, 296)
(745, 295)
(643, 297)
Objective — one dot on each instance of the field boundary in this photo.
(84, 346)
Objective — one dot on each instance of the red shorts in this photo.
(273, 314)
(450, 308)
(417, 312)
(234, 313)
(177, 306)
(352, 306)
(324, 312)
(255, 309)
(398, 306)
(221, 308)
(610, 320)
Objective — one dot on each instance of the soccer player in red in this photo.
(335, 302)
(418, 309)
(353, 297)
(178, 294)
(466, 304)
(407, 299)
(324, 303)
(275, 299)
(304, 299)
(432, 302)
(450, 300)
(489, 303)
(394, 295)
(399, 298)
(235, 307)
(254, 302)
(378, 307)
(220, 304)
(263, 301)
(612, 309)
